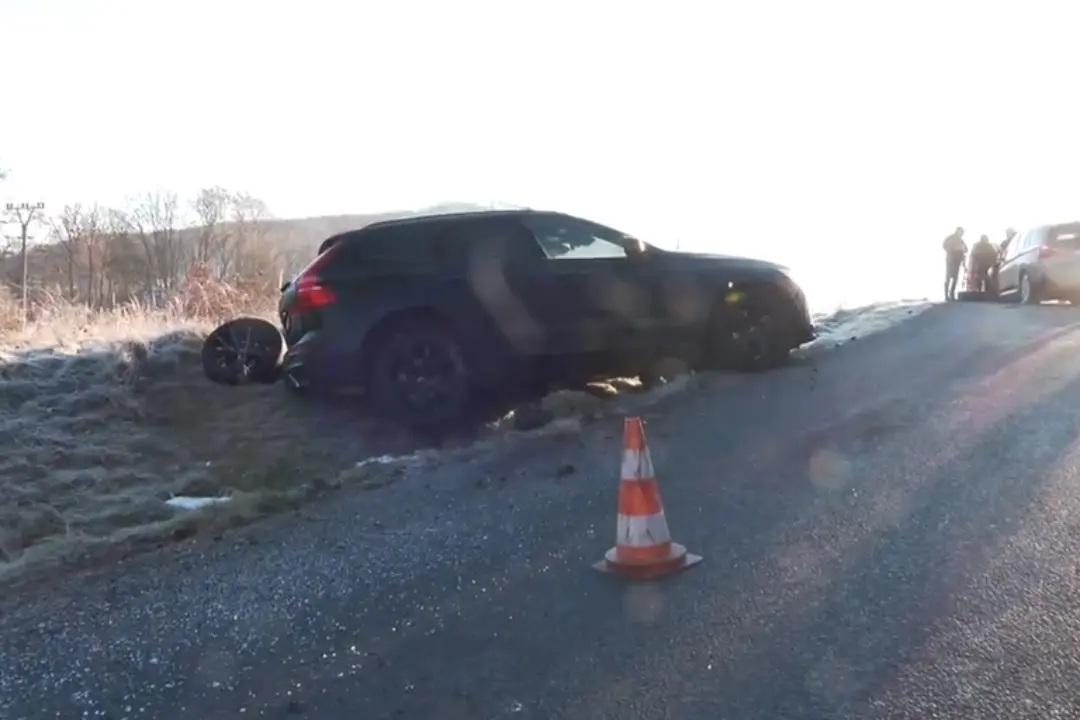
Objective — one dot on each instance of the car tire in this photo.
(745, 340)
(1029, 293)
(241, 351)
(419, 375)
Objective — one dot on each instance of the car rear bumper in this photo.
(311, 365)
(299, 364)
(1059, 283)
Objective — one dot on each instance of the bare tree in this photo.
(81, 235)
(254, 257)
(96, 240)
(123, 257)
(66, 231)
(212, 208)
(26, 214)
(100, 256)
(155, 222)
(8, 240)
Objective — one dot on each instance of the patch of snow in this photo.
(386, 459)
(848, 324)
(181, 502)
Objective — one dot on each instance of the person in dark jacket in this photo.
(955, 254)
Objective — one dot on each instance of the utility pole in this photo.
(24, 213)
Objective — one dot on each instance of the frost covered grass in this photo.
(105, 417)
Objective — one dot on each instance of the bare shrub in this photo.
(201, 294)
(10, 311)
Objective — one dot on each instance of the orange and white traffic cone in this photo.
(643, 547)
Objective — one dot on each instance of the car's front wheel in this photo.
(1029, 294)
(744, 339)
(419, 375)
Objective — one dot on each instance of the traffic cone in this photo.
(643, 547)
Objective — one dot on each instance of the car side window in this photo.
(563, 238)
(1016, 246)
(1035, 238)
(488, 240)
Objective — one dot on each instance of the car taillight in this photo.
(310, 293)
(1045, 251)
(312, 297)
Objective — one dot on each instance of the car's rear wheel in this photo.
(419, 374)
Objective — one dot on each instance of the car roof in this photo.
(429, 219)
(1064, 223)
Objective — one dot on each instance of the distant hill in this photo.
(305, 234)
(295, 239)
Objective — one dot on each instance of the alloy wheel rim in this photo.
(427, 376)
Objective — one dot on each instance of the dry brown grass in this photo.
(106, 415)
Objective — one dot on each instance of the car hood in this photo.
(708, 260)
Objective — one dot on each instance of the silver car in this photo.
(1042, 263)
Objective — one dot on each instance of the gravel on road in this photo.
(890, 529)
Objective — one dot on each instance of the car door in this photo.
(1029, 258)
(1009, 272)
(508, 276)
(609, 290)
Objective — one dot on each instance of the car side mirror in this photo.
(636, 249)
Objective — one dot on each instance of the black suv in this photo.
(422, 312)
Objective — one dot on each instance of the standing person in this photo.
(983, 259)
(1010, 235)
(955, 253)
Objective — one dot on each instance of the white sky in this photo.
(812, 132)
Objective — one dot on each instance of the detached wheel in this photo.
(419, 375)
(245, 350)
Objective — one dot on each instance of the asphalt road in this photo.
(890, 531)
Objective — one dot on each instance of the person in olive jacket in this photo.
(955, 256)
